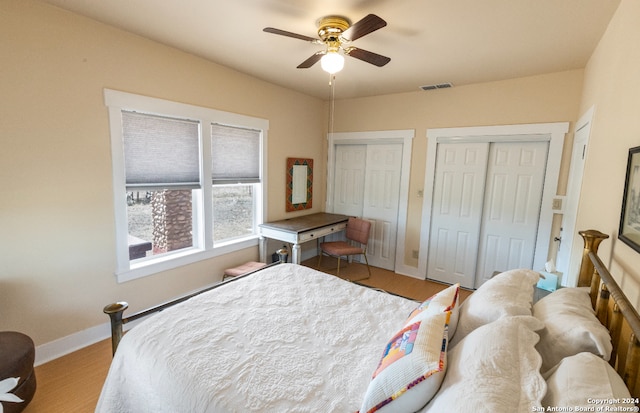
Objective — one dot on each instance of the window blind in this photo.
(160, 152)
(235, 155)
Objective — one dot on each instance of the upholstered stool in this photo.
(242, 269)
(17, 354)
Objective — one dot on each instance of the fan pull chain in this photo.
(332, 85)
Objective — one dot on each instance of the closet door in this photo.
(348, 192)
(457, 212)
(515, 179)
(381, 200)
(367, 185)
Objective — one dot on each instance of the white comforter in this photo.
(287, 339)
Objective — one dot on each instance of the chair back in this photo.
(358, 230)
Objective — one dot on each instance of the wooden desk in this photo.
(300, 229)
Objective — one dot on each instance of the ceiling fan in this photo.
(335, 32)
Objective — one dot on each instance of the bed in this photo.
(291, 339)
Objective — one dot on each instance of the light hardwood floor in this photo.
(72, 383)
(386, 280)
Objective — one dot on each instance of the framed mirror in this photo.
(299, 184)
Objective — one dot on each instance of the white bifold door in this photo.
(485, 209)
(367, 184)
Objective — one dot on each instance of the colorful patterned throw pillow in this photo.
(411, 368)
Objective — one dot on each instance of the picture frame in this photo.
(299, 191)
(629, 230)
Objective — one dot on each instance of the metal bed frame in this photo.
(614, 310)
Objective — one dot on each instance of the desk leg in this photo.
(295, 256)
(263, 249)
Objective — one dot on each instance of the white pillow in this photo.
(571, 327)
(411, 368)
(506, 294)
(495, 369)
(577, 379)
(445, 300)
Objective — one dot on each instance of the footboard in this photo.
(614, 311)
(115, 311)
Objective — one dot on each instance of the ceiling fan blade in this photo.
(290, 34)
(367, 56)
(311, 60)
(368, 24)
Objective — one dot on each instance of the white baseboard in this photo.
(65, 345)
(76, 341)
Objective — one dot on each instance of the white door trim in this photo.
(405, 137)
(554, 133)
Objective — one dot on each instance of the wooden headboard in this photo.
(613, 309)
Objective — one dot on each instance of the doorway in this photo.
(504, 180)
(368, 176)
(570, 250)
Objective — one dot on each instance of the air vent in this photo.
(438, 86)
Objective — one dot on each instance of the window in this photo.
(235, 171)
(188, 182)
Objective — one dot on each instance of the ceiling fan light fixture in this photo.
(332, 62)
(335, 32)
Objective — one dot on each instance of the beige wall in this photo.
(56, 210)
(539, 99)
(612, 87)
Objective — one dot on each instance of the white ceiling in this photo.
(428, 41)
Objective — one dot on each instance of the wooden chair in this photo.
(358, 232)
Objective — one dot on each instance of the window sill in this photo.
(167, 262)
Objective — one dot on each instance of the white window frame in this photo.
(203, 247)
